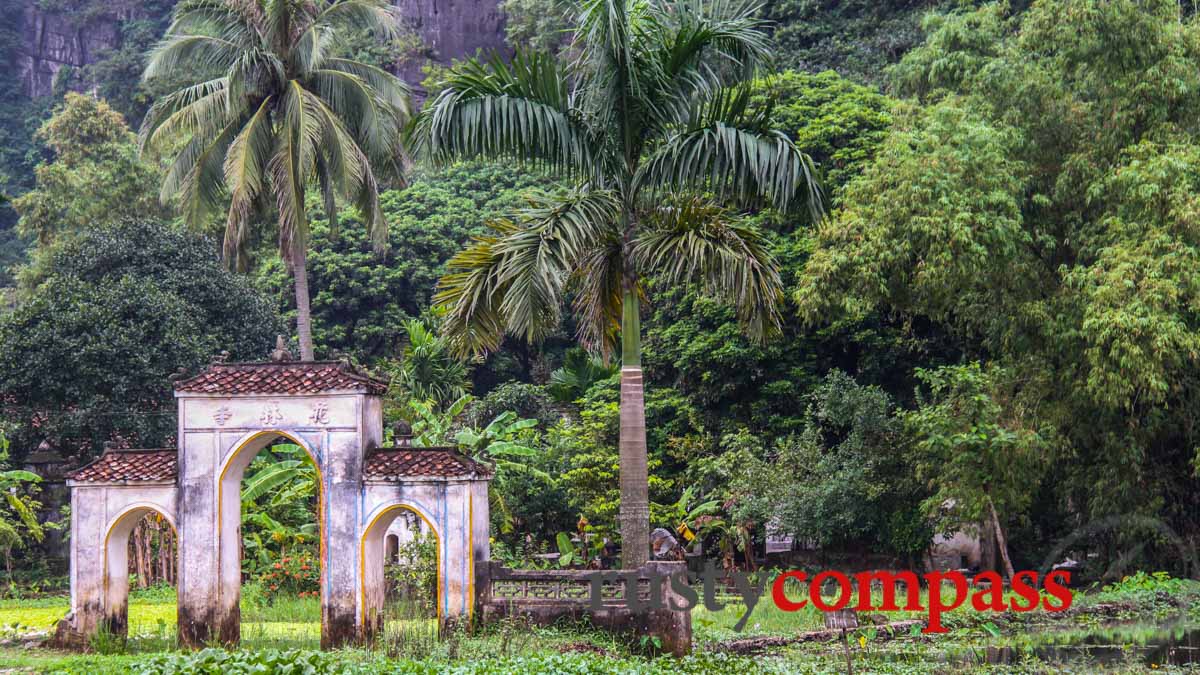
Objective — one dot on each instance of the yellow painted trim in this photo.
(108, 534)
(237, 450)
(362, 560)
(470, 553)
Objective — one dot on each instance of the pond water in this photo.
(1172, 644)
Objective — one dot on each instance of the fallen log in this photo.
(754, 645)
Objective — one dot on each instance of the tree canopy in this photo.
(1036, 199)
(86, 358)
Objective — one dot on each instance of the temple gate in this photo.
(227, 414)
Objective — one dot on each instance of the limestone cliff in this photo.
(452, 29)
(52, 39)
(74, 32)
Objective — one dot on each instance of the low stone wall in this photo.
(547, 596)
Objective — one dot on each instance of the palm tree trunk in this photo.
(303, 311)
(635, 498)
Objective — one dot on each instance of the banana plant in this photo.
(278, 502)
(499, 440)
(687, 516)
(500, 444)
(18, 523)
(433, 427)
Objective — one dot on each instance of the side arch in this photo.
(116, 560)
(372, 550)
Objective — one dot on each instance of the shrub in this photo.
(297, 574)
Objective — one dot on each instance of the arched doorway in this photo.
(376, 552)
(116, 563)
(230, 485)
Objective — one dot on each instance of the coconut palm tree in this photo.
(652, 126)
(275, 109)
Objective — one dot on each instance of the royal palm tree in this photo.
(651, 125)
(275, 109)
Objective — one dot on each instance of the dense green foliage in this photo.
(117, 309)
(849, 482)
(839, 123)
(1036, 201)
(360, 298)
(95, 173)
(998, 311)
(857, 38)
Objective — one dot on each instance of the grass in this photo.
(288, 632)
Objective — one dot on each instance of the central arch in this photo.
(372, 553)
(116, 562)
(229, 522)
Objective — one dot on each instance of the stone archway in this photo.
(108, 498)
(373, 551)
(227, 414)
(229, 519)
(116, 563)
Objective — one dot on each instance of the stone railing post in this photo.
(673, 627)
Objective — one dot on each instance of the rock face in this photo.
(452, 29)
(51, 40)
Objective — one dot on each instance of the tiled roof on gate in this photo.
(397, 463)
(116, 466)
(289, 377)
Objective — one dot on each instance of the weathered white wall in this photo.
(103, 516)
(452, 510)
(220, 435)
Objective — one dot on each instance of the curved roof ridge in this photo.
(281, 377)
(394, 463)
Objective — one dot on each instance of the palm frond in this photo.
(348, 168)
(376, 16)
(519, 110)
(698, 48)
(470, 292)
(604, 45)
(197, 174)
(256, 74)
(598, 288)
(540, 256)
(514, 281)
(310, 50)
(234, 22)
(391, 90)
(725, 149)
(202, 106)
(288, 175)
(721, 39)
(176, 52)
(373, 121)
(245, 171)
(695, 241)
